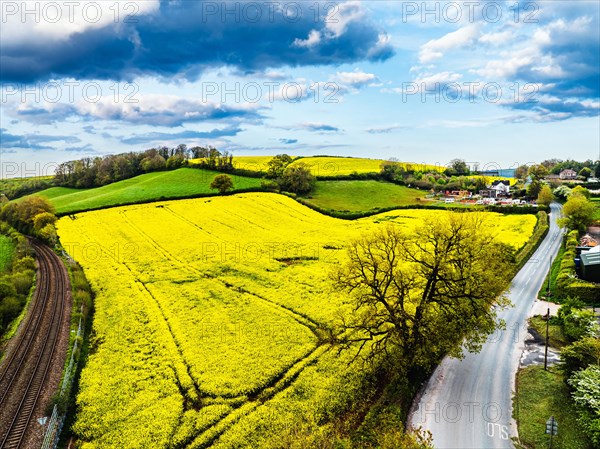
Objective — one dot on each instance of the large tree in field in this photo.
(416, 296)
(297, 179)
(222, 183)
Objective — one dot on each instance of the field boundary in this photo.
(537, 237)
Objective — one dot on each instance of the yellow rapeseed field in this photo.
(341, 166)
(206, 328)
(328, 166)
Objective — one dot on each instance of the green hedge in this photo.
(539, 232)
(567, 282)
(356, 215)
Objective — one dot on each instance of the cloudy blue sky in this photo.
(491, 82)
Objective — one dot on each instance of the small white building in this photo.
(568, 174)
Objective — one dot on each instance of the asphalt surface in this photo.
(467, 404)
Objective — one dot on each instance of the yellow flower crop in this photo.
(205, 329)
(340, 166)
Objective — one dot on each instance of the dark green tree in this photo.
(297, 179)
(276, 166)
(222, 183)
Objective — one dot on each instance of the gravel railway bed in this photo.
(31, 371)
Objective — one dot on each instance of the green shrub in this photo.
(22, 281)
(580, 355)
(24, 264)
(579, 324)
(586, 391)
(567, 283)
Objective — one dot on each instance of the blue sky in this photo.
(491, 82)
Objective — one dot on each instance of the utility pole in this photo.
(547, 338)
(549, 277)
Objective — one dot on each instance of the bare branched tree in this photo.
(416, 296)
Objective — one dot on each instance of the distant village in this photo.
(501, 193)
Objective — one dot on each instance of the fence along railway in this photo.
(25, 371)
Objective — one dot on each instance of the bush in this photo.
(539, 232)
(575, 322)
(580, 355)
(586, 391)
(579, 324)
(567, 283)
(23, 280)
(10, 307)
(24, 263)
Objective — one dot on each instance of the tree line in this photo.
(91, 172)
(16, 280)
(584, 169)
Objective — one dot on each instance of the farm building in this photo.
(590, 264)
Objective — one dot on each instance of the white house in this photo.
(501, 187)
(568, 174)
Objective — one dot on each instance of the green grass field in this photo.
(540, 395)
(358, 196)
(596, 201)
(555, 333)
(152, 186)
(7, 248)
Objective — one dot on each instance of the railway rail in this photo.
(25, 370)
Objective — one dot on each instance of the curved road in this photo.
(467, 404)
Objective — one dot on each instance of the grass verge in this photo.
(541, 394)
(557, 337)
(553, 274)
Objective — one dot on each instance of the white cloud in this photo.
(356, 79)
(158, 110)
(499, 38)
(30, 22)
(384, 129)
(532, 56)
(314, 37)
(341, 15)
(435, 48)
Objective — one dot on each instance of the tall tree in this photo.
(276, 166)
(418, 296)
(297, 179)
(585, 172)
(534, 188)
(578, 213)
(457, 167)
(521, 172)
(545, 196)
(538, 172)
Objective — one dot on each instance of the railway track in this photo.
(26, 368)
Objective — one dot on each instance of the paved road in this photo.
(467, 403)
